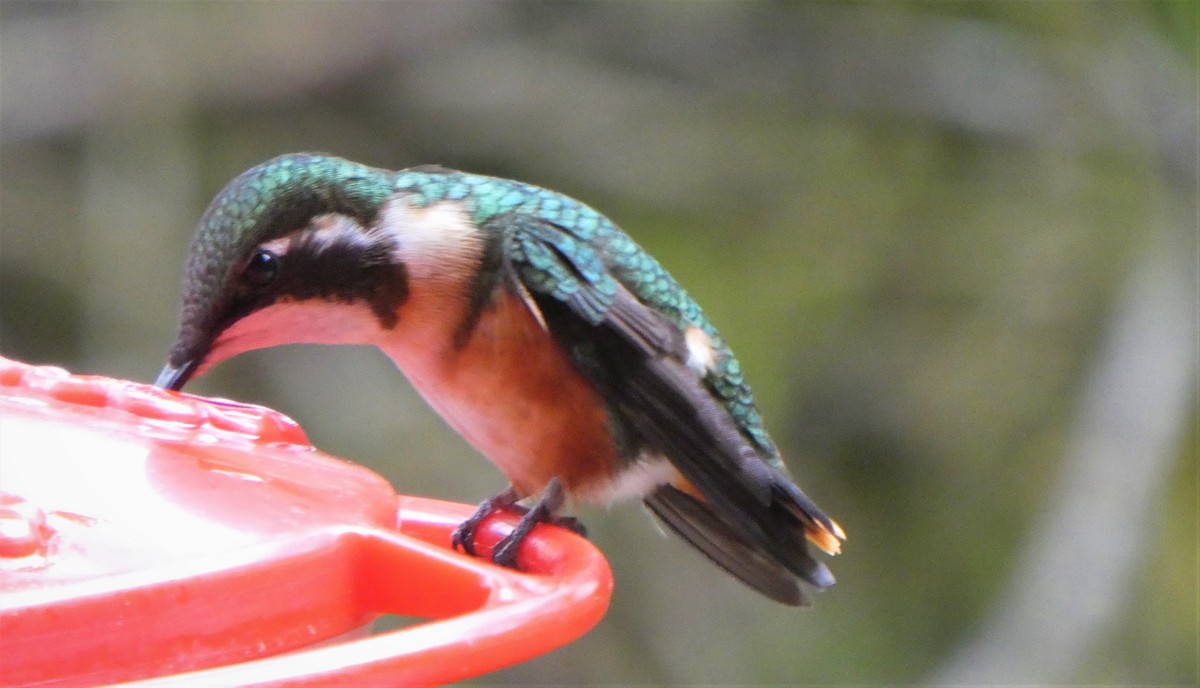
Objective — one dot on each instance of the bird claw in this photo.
(463, 537)
(505, 552)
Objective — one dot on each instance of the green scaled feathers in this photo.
(596, 249)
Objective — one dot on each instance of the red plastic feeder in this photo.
(176, 541)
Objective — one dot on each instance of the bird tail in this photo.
(819, 529)
(772, 569)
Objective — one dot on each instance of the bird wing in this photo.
(638, 357)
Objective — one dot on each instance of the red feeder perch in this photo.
(176, 541)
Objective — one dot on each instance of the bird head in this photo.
(284, 237)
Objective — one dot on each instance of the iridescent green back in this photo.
(638, 271)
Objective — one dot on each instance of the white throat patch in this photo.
(436, 243)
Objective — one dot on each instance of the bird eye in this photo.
(261, 269)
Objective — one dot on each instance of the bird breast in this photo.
(514, 394)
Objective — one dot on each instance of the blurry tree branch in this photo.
(1074, 577)
(961, 73)
(113, 62)
(1087, 546)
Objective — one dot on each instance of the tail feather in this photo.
(772, 569)
(820, 530)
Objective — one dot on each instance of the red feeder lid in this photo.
(150, 534)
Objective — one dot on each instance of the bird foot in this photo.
(505, 552)
(463, 537)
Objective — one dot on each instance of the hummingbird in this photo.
(540, 331)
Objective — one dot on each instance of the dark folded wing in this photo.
(751, 519)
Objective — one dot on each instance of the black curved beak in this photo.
(175, 377)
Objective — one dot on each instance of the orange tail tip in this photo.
(827, 535)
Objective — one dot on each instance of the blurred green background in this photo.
(954, 245)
